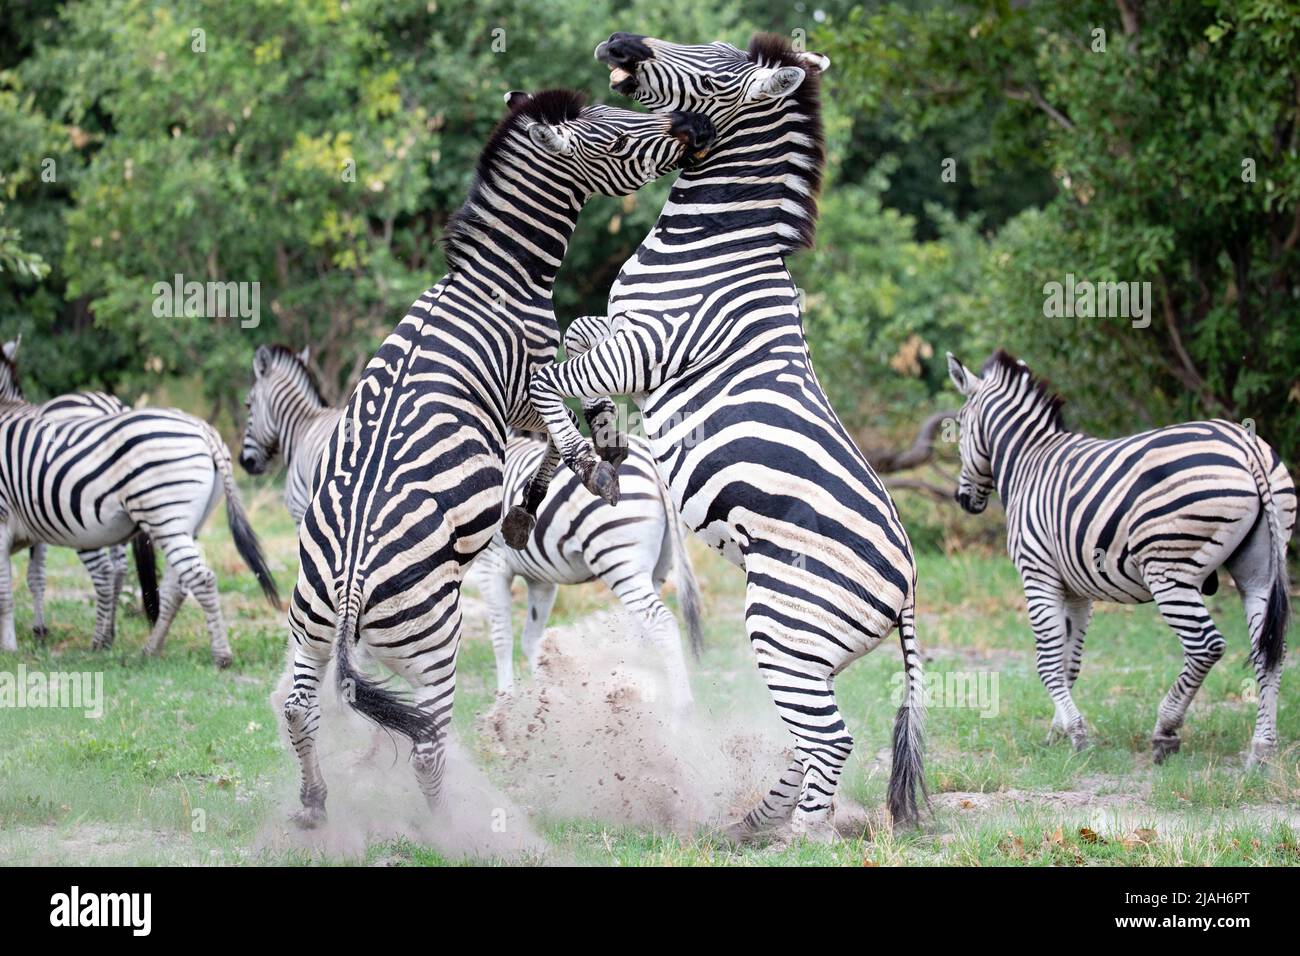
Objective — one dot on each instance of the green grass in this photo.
(187, 766)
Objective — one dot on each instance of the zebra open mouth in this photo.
(621, 81)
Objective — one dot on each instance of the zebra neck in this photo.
(297, 423)
(512, 233)
(1018, 449)
(756, 190)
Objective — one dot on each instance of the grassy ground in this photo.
(186, 765)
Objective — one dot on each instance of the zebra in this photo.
(1149, 517)
(287, 416)
(579, 541)
(91, 482)
(106, 566)
(704, 331)
(411, 485)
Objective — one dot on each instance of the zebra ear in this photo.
(775, 84)
(962, 378)
(11, 347)
(305, 355)
(815, 61)
(261, 361)
(550, 140)
(517, 98)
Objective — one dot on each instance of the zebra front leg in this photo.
(518, 524)
(1183, 609)
(1047, 618)
(36, 585)
(1078, 614)
(495, 584)
(614, 366)
(99, 563)
(302, 716)
(658, 628)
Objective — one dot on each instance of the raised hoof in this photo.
(1162, 747)
(517, 527)
(603, 482)
(308, 818)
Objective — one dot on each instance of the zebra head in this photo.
(976, 481)
(715, 79)
(279, 375)
(603, 149)
(10, 390)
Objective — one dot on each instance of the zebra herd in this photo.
(431, 473)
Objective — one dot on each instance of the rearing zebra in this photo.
(411, 482)
(704, 330)
(1150, 517)
(631, 549)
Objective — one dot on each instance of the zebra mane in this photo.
(282, 355)
(9, 380)
(775, 50)
(549, 106)
(1010, 367)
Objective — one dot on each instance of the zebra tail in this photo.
(146, 569)
(246, 543)
(907, 774)
(688, 588)
(1277, 611)
(367, 697)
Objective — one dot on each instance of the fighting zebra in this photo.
(92, 482)
(411, 483)
(106, 566)
(704, 331)
(631, 549)
(580, 538)
(1150, 517)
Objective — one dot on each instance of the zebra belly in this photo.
(115, 527)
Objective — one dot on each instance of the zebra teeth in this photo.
(617, 74)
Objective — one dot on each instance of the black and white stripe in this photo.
(411, 482)
(92, 482)
(1149, 517)
(580, 538)
(704, 330)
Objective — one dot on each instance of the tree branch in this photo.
(885, 460)
(1032, 95)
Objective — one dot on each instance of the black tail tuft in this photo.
(250, 549)
(375, 702)
(1272, 640)
(146, 569)
(907, 774)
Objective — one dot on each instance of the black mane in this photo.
(283, 354)
(775, 50)
(1009, 365)
(551, 107)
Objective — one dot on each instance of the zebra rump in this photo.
(369, 698)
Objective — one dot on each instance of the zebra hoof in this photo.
(1163, 747)
(223, 659)
(740, 833)
(1261, 752)
(40, 633)
(308, 818)
(603, 482)
(517, 527)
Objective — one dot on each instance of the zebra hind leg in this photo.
(36, 585)
(99, 563)
(8, 636)
(518, 524)
(1255, 574)
(302, 716)
(1183, 608)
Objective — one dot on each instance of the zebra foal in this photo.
(1149, 517)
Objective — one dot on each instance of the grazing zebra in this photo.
(704, 331)
(1150, 517)
(288, 416)
(92, 482)
(411, 482)
(579, 538)
(631, 550)
(106, 566)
